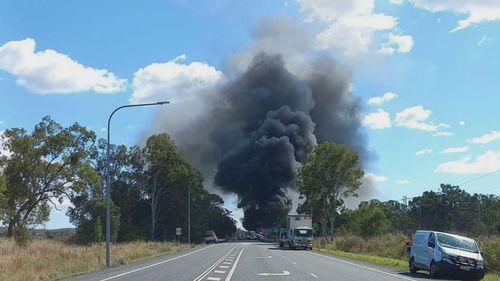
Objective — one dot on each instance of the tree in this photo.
(331, 172)
(89, 206)
(162, 169)
(44, 167)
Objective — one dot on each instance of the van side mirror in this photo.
(431, 244)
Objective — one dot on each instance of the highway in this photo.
(248, 261)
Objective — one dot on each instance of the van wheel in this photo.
(413, 268)
(433, 270)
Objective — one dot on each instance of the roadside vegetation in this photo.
(150, 187)
(389, 249)
(46, 259)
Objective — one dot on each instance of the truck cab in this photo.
(301, 238)
(298, 234)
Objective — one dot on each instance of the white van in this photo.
(445, 253)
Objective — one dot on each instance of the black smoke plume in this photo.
(257, 126)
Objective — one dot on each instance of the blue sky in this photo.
(438, 59)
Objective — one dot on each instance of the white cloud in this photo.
(403, 182)
(483, 40)
(172, 80)
(461, 149)
(375, 178)
(387, 97)
(351, 25)
(444, 125)
(415, 118)
(51, 72)
(461, 123)
(377, 120)
(130, 127)
(396, 2)
(443, 134)
(486, 138)
(397, 44)
(477, 11)
(423, 152)
(489, 162)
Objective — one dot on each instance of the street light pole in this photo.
(189, 215)
(108, 180)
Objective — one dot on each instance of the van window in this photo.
(432, 238)
(457, 242)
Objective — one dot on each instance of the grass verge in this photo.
(395, 263)
(52, 260)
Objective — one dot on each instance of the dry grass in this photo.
(50, 260)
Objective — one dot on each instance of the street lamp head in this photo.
(162, 102)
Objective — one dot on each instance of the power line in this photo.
(479, 177)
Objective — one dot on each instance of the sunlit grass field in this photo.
(47, 259)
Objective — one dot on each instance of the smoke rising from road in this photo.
(252, 130)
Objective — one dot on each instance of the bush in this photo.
(490, 246)
(22, 236)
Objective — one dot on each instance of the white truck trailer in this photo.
(298, 233)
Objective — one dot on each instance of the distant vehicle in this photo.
(446, 254)
(298, 233)
(210, 237)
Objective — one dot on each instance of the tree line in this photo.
(149, 191)
(333, 172)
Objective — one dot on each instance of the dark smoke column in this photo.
(275, 134)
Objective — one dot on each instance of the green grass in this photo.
(395, 263)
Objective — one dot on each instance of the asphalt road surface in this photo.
(249, 262)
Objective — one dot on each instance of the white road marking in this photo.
(364, 267)
(230, 275)
(314, 275)
(285, 273)
(226, 262)
(223, 266)
(206, 272)
(213, 278)
(268, 257)
(219, 271)
(154, 264)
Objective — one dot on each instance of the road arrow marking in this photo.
(285, 273)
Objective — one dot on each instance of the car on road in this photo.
(446, 254)
(210, 237)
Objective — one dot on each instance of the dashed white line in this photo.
(230, 275)
(206, 272)
(213, 278)
(220, 271)
(313, 275)
(227, 262)
(223, 266)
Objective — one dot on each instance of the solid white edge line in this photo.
(314, 275)
(230, 275)
(206, 272)
(155, 264)
(364, 267)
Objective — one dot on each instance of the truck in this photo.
(298, 233)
